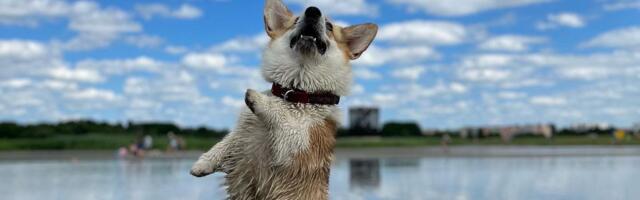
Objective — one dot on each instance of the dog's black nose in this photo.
(312, 13)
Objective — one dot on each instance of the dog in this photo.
(282, 145)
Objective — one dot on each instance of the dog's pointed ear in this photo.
(276, 17)
(359, 37)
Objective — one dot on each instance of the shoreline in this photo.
(355, 153)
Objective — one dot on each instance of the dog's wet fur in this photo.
(280, 149)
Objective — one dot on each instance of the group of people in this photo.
(143, 144)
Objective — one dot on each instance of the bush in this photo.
(401, 129)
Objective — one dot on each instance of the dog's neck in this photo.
(294, 95)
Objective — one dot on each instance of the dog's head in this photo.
(309, 52)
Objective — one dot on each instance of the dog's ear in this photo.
(359, 37)
(276, 17)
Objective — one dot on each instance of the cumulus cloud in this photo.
(412, 73)
(424, 32)
(511, 70)
(621, 5)
(243, 44)
(82, 75)
(377, 56)
(212, 61)
(144, 41)
(628, 37)
(22, 49)
(123, 66)
(341, 7)
(548, 101)
(176, 50)
(95, 26)
(185, 11)
(566, 19)
(461, 7)
(366, 74)
(21, 12)
(512, 43)
(27, 58)
(93, 94)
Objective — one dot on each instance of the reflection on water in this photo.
(423, 178)
(364, 174)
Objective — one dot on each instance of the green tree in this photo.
(401, 129)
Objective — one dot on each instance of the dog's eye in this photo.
(329, 27)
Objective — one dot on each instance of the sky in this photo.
(441, 63)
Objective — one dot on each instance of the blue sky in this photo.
(442, 63)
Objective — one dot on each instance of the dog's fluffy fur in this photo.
(279, 149)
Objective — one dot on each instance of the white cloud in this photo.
(366, 74)
(384, 98)
(82, 75)
(93, 94)
(341, 7)
(357, 89)
(461, 7)
(213, 61)
(566, 19)
(232, 102)
(176, 50)
(176, 86)
(511, 95)
(122, 66)
(15, 83)
(423, 32)
(412, 73)
(584, 73)
(27, 58)
(95, 26)
(22, 49)
(485, 74)
(144, 41)
(513, 43)
(376, 56)
(622, 5)
(628, 37)
(547, 101)
(458, 87)
(22, 12)
(243, 44)
(185, 11)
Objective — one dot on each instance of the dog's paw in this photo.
(202, 168)
(251, 97)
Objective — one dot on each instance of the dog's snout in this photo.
(312, 13)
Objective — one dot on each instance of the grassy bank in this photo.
(434, 141)
(96, 141)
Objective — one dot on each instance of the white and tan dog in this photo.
(282, 146)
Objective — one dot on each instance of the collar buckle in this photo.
(285, 96)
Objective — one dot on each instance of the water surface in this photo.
(352, 177)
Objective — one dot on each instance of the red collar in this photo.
(299, 96)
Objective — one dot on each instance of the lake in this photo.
(419, 173)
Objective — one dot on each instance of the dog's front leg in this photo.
(289, 134)
(260, 105)
(212, 160)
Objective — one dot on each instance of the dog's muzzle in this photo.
(308, 37)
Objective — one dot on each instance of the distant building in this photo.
(507, 133)
(364, 121)
(636, 127)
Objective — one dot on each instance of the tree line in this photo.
(82, 127)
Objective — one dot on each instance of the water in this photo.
(435, 177)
